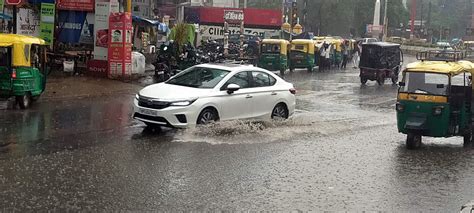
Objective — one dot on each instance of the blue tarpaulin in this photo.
(6, 17)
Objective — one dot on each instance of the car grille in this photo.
(152, 104)
(151, 118)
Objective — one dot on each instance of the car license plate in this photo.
(148, 112)
(161, 72)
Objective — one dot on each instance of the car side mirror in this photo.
(470, 77)
(231, 88)
(402, 84)
(440, 86)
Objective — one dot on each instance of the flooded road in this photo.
(341, 151)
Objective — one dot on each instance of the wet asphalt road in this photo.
(341, 151)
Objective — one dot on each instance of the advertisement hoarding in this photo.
(27, 22)
(76, 5)
(47, 22)
(214, 32)
(76, 27)
(101, 27)
(120, 45)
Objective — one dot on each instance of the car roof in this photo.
(231, 67)
(382, 44)
(441, 67)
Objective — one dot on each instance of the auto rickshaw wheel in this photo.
(394, 79)
(24, 101)
(468, 136)
(282, 72)
(363, 80)
(381, 80)
(413, 141)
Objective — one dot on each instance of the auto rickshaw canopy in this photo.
(282, 42)
(21, 46)
(308, 45)
(442, 67)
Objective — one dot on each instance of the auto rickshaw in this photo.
(435, 98)
(22, 68)
(302, 54)
(380, 60)
(274, 55)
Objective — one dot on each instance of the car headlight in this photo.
(137, 97)
(183, 102)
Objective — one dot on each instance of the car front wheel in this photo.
(207, 116)
(280, 111)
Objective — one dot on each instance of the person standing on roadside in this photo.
(345, 54)
(322, 57)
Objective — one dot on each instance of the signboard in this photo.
(120, 45)
(234, 16)
(217, 32)
(251, 16)
(76, 27)
(101, 27)
(47, 22)
(13, 2)
(27, 22)
(2, 2)
(76, 5)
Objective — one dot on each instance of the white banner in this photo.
(28, 22)
(217, 32)
(101, 27)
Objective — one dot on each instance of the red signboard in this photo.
(97, 68)
(13, 2)
(120, 45)
(253, 17)
(76, 5)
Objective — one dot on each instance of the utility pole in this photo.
(421, 18)
(413, 16)
(385, 22)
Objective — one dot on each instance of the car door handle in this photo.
(274, 93)
(248, 96)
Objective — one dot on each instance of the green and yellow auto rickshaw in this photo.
(22, 68)
(435, 98)
(274, 55)
(302, 54)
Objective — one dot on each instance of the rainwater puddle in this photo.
(303, 125)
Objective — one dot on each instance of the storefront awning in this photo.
(148, 21)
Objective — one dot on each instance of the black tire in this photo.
(24, 101)
(381, 80)
(282, 72)
(468, 136)
(395, 80)
(413, 141)
(207, 116)
(35, 98)
(363, 80)
(280, 111)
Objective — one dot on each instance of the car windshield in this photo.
(425, 83)
(199, 77)
(271, 48)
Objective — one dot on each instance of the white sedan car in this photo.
(207, 93)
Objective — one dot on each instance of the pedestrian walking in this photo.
(345, 55)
